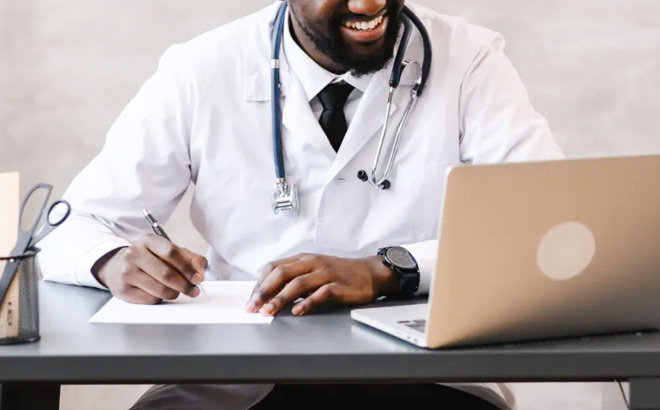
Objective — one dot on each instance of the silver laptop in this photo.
(539, 250)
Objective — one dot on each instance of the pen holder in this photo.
(19, 313)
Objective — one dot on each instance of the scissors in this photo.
(52, 217)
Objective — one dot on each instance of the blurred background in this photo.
(68, 67)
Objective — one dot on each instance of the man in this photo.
(204, 118)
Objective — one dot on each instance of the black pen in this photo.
(158, 230)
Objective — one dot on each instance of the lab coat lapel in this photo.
(367, 121)
(297, 117)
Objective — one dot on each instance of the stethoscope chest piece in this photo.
(285, 198)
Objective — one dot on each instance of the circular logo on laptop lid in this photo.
(566, 250)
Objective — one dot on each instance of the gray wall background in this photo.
(67, 68)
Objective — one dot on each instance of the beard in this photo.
(334, 46)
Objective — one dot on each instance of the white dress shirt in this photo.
(313, 78)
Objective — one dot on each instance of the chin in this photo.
(368, 51)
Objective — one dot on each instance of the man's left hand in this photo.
(320, 279)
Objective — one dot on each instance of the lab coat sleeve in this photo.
(144, 163)
(497, 124)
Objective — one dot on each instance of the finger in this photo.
(167, 275)
(172, 254)
(326, 293)
(275, 281)
(137, 295)
(274, 264)
(148, 284)
(199, 263)
(298, 287)
(285, 261)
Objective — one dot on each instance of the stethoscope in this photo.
(285, 197)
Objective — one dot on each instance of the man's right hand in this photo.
(151, 270)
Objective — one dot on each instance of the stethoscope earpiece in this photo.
(364, 177)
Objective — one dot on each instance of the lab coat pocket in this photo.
(412, 204)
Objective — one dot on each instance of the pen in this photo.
(158, 230)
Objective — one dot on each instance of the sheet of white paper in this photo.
(220, 302)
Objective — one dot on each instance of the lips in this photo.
(365, 31)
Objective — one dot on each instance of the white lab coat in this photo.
(205, 118)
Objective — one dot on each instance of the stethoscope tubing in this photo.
(409, 19)
(398, 66)
(275, 93)
(428, 49)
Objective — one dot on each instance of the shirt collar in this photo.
(311, 75)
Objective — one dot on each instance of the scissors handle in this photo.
(21, 223)
(51, 221)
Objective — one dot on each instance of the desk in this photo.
(328, 347)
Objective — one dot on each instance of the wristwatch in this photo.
(404, 266)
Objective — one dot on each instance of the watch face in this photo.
(401, 258)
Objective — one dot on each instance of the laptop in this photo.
(541, 250)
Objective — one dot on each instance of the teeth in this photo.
(364, 25)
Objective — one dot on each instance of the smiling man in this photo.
(341, 40)
(204, 118)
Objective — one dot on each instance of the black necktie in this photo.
(333, 98)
